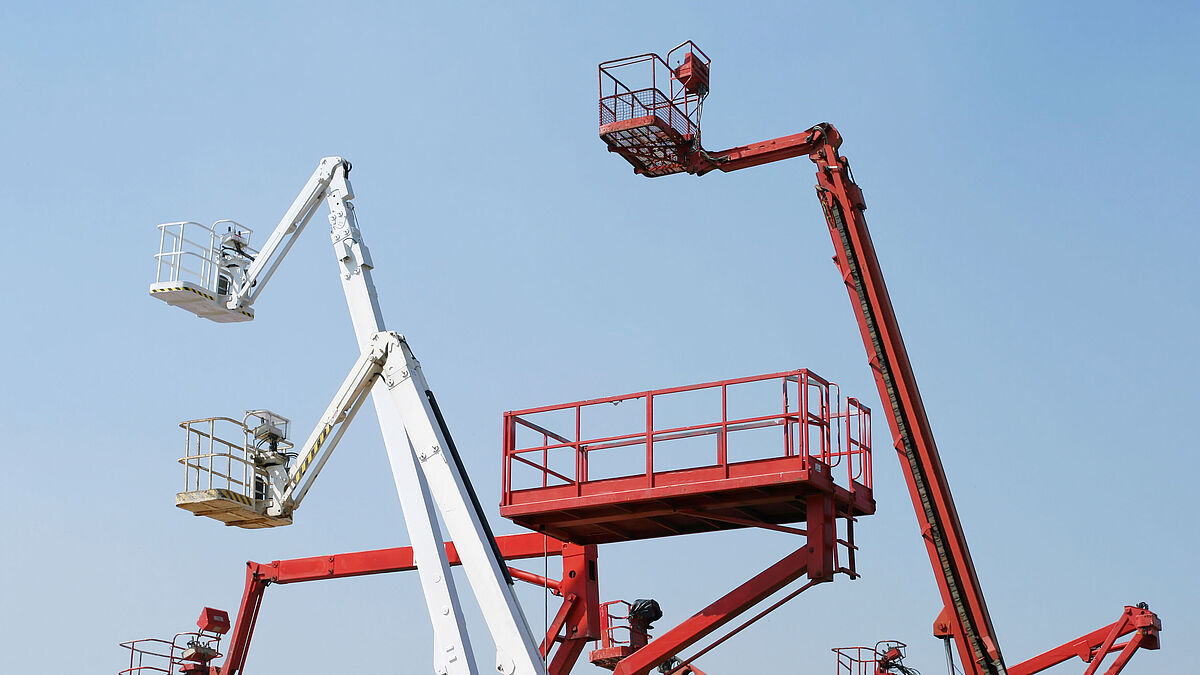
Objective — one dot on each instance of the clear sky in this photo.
(1031, 177)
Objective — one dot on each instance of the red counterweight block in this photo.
(693, 75)
(213, 621)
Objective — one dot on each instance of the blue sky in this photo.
(1030, 176)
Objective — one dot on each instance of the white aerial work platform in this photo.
(225, 468)
(200, 268)
(248, 474)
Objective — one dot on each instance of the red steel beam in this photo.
(965, 617)
(717, 614)
(243, 627)
(381, 561)
(536, 579)
(747, 623)
(581, 600)
(579, 587)
(843, 203)
(1093, 647)
(755, 154)
(747, 522)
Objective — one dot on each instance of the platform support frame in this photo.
(575, 624)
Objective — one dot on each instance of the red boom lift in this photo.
(655, 126)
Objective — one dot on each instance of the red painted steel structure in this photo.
(187, 653)
(819, 471)
(673, 102)
(581, 618)
(1093, 647)
(825, 450)
(885, 658)
(576, 623)
(615, 620)
(650, 140)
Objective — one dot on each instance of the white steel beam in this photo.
(411, 424)
(452, 652)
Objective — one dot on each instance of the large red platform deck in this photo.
(747, 452)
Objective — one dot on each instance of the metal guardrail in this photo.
(220, 454)
(814, 423)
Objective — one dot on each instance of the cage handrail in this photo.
(803, 372)
(609, 627)
(177, 231)
(675, 97)
(210, 459)
(178, 243)
(817, 422)
(606, 66)
(676, 118)
(670, 434)
(546, 470)
(172, 651)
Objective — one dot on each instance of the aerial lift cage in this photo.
(222, 477)
(189, 267)
(882, 658)
(650, 106)
(187, 653)
(622, 632)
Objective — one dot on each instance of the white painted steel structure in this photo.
(225, 280)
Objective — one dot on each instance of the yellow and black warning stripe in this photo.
(235, 497)
(312, 454)
(199, 293)
(185, 288)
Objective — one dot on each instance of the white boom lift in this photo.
(255, 482)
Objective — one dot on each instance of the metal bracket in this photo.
(397, 367)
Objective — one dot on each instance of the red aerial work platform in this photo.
(650, 111)
(748, 452)
(189, 653)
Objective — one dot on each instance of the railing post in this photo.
(802, 386)
(506, 462)
(723, 437)
(650, 439)
(787, 424)
(581, 464)
(826, 425)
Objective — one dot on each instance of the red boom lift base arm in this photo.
(1093, 647)
(576, 623)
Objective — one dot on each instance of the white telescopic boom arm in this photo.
(425, 464)
(285, 233)
(289, 488)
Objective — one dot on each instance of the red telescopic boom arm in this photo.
(965, 616)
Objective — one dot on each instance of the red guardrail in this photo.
(555, 447)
